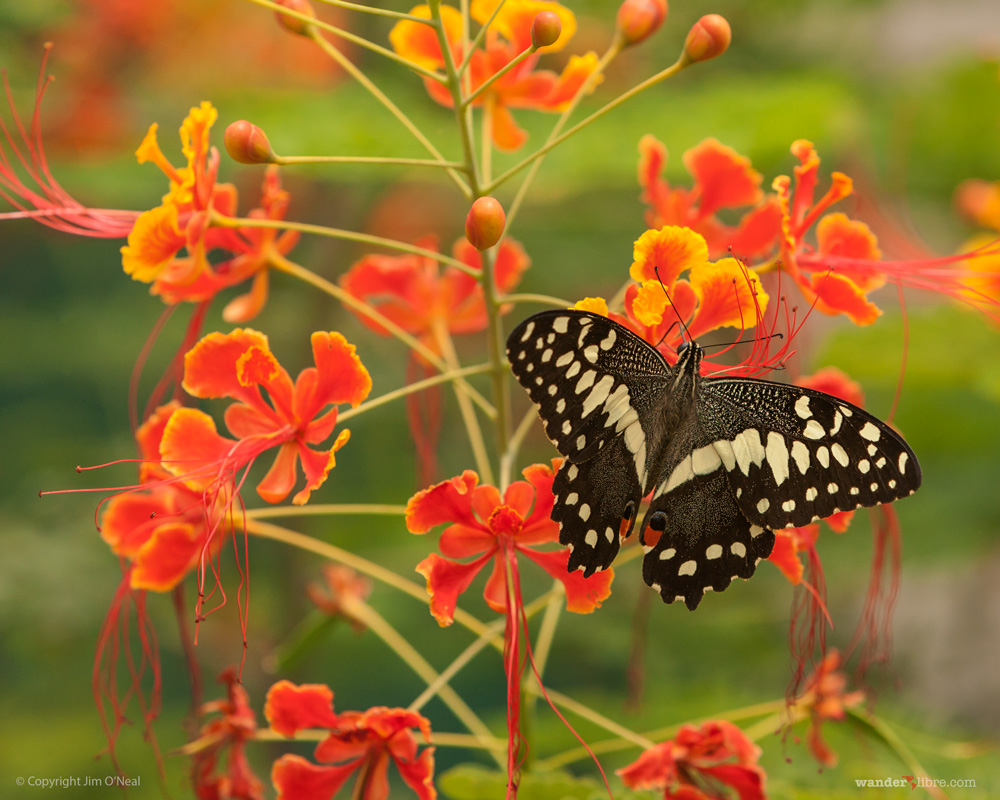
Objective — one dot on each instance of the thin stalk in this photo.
(360, 41)
(497, 356)
(364, 613)
(545, 299)
(479, 644)
(403, 162)
(454, 84)
(348, 66)
(349, 300)
(379, 12)
(514, 445)
(598, 719)
(524, 54)
(552, 143)
(474, 44)
(472, 428)
(321, 509)
(412, 388)
(223, 221)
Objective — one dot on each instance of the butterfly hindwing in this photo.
(704, 541)
(596, 504)
(795, 455)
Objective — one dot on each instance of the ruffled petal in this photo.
(419, 774)
(728, 295)
(462, 541)
(723, 178)
(152, 244)
(838, 294)
(583, 595)
(317, 466)
(280, 478)
(210, 367)
(130, 519)
(446, 580)
(167, 557)
(340, 376)
(418, 42)
(298, 779)
(672, 249)
(291, 707)
(192, 449)
(448, 501)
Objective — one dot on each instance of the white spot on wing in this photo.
(903, 457)
(591, 538)
(713, 551)
(777, 456)
(586, 381)
(682, 473)
(823, 456)
(813, 430)
(705, 460)
(590, 353)
(560, 324)
(870, 432)
(527, 332)
(687, 568)
(738, 549)
(839, 453)
(598, 394)
(800, 454)
(608, 340)
(802, 407)
(574, 370)
(668, 554)
(763, 505)
(564, 359)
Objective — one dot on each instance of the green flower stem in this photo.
(403, 162)
(545, 299)
(454, 85)
(670, 71)
(324, 509)
(466, 741)
(888, 736)
(267, 530)
(526, 53)
(617, 744)
(474, 431)
(474, 44)
(348, 66)
(380, 12)
(547, 631)
(365, 614)
(514, 445)
(349, 300)
(223, 221)
(419, 386)
(479, 644)
(522, 191)
(497, 356)
(587, 713)
(360, 41)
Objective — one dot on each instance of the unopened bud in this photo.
(709, 37)
(295, 24)
(640, 19)
(484, 224)
(248, 144)
(546, 29)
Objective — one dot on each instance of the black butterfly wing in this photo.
(795, 455)
(597, 387)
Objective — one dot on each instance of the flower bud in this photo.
(709, 37)
(484, 224)
(294, 24)
(248, 144)
(546, 29)
(640, 19)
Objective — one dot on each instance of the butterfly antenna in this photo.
(684, 329)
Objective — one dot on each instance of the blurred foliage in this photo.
(73, 324)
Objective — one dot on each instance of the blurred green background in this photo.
(903, 96)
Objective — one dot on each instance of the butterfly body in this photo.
(726, 460)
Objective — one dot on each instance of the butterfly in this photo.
(728, 460)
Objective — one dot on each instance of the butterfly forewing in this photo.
(796, 455)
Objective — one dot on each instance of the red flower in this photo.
(509, 35)
(420, 297)
(239, 365)
(490, 527)
(824, 699)
(233, 729)
(359, 741)
(703, 763)
(723, 180)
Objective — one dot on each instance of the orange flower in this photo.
(235, 726)
(489, 527)
(184, 221)
(239, 365)
(416, 294)
(364, 742)
(824, 699)
(711, 761)
(509, 35)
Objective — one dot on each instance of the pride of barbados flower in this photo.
(712, 761)
(509, 35)
(490, 527)
(362, 742)
(187, 219)
(239, 365)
